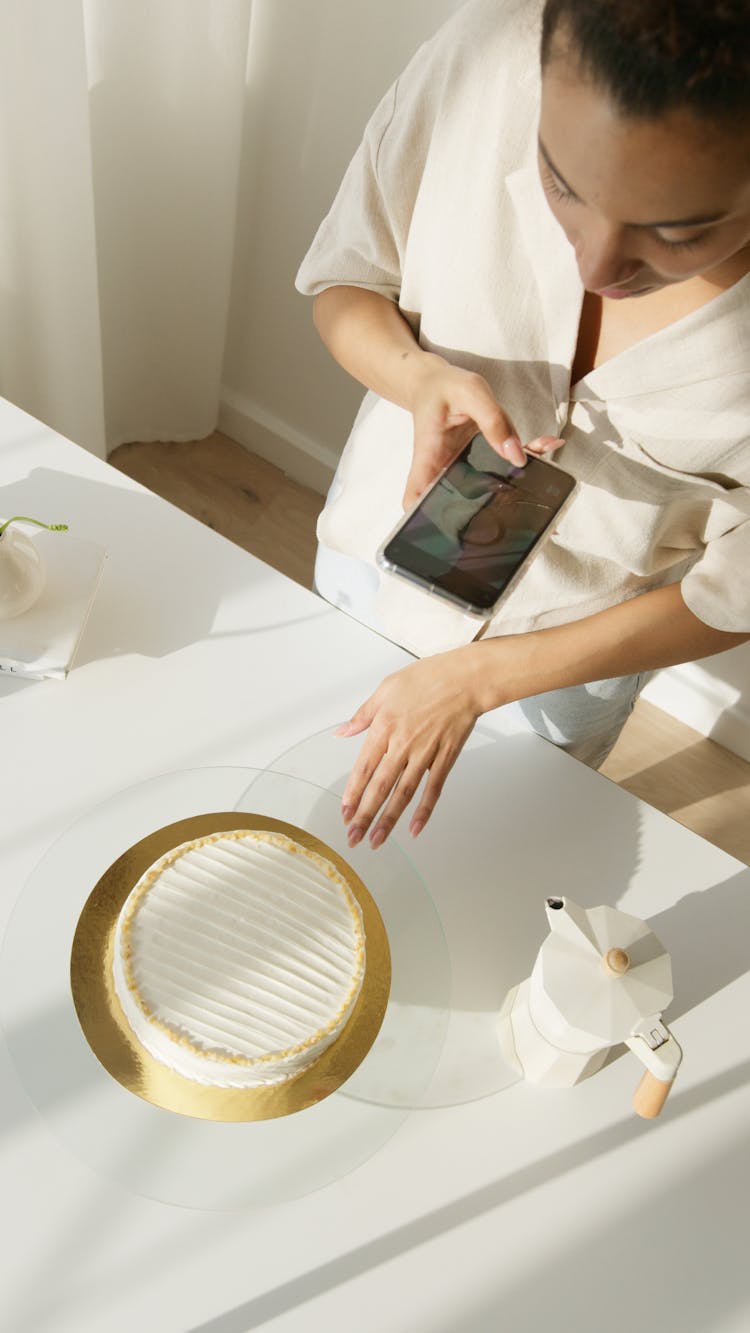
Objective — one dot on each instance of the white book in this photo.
(43, 641)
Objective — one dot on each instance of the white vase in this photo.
(21, 572)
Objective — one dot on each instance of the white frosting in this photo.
(238, 958)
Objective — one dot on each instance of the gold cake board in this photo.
(116, 1046)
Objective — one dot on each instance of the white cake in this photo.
(238, 958)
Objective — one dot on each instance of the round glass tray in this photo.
(177, 1158)
(491, 944)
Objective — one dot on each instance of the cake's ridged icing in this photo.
(239, 957)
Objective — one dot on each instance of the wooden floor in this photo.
(659, 759)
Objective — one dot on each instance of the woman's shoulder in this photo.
(484, 40)
(475, 82)
(514, 20)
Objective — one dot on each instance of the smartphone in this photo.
(470, 536)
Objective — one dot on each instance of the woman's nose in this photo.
(604, 258)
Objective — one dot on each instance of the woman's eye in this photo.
(690, 244)
(552, 186)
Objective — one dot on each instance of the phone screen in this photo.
(477, 524)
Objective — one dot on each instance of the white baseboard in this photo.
(704, 702)
(298, 455)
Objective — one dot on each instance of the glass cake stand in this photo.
(177, 1158)
(472, 1064)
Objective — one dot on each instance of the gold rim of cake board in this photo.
(116, 1046)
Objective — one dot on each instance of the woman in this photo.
(560, 262)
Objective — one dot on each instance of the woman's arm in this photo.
(367, 334)
(420, 717)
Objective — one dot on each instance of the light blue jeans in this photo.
(583, 720)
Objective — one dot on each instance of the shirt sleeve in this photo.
(717, 588)
(361, 242)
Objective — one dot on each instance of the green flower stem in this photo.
(20, 518)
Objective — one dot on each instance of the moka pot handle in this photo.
(654, 1044)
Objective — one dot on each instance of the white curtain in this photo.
(120, 138)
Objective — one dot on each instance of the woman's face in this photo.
(644, 203)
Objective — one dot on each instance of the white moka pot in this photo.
(600, 978)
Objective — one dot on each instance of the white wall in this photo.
(317, 68)
(713, 696)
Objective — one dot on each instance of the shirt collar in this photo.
(556, 275)
(709, 343)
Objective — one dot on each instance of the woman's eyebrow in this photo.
(702, 220)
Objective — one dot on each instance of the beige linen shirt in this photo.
(442, 211)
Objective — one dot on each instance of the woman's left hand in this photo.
(418, 720)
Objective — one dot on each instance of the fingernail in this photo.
(378, 838)
(513, 451)
(416, 826)
(355, 835)
(346, 813)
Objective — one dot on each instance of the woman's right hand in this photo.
(449, 406)
(369, 337)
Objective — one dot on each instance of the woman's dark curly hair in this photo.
(652, 56)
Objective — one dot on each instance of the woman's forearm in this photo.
(419, 718)
(654, 630)
(367, 334)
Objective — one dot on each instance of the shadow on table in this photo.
(676, 1252)
(159, 559)
(556, 828)
(679, 1221)
(47, 1032)
(496, 922)
(493, 906)
(707, 935)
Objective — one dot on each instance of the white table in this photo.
(518, 1211)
